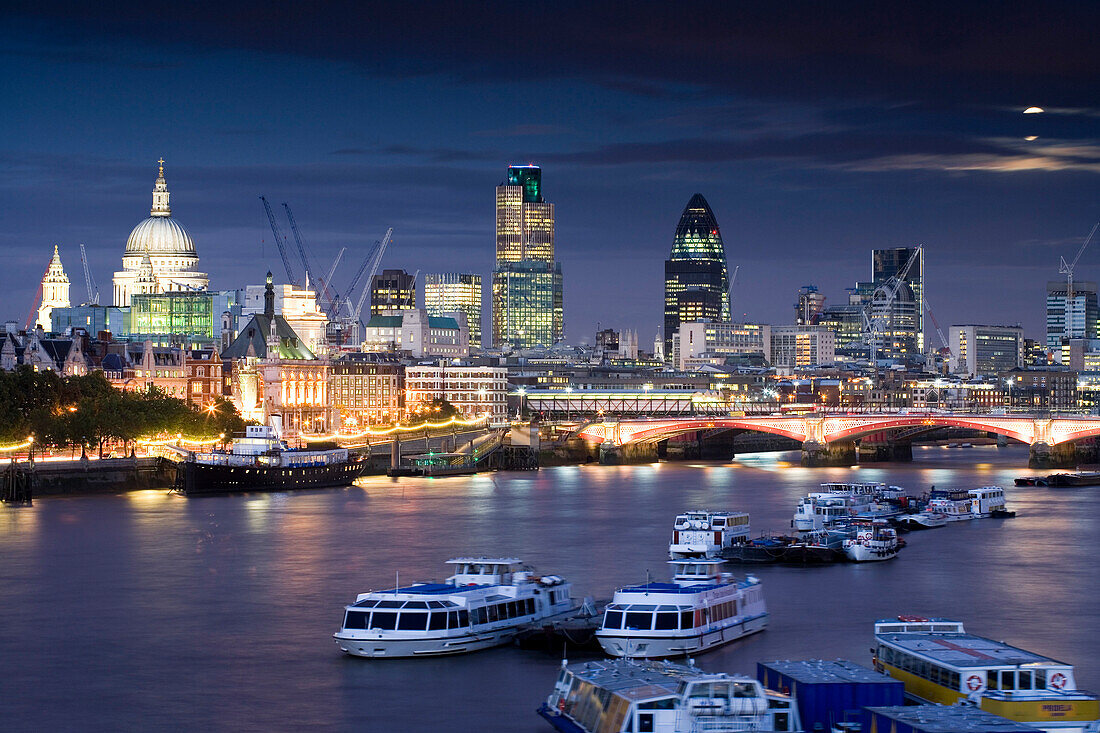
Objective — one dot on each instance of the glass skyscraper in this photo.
(527, 282)
(449, 292)
(696, 279)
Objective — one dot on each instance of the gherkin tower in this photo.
(696, 279)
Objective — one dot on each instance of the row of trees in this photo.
(69, 412)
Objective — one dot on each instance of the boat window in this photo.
(366, 603)
(452, 619)
(643, 608)
(1007, 681)
(1023, 680)
(416, 604)
(719, 522)
(667, 608)
(613, 620)
(436, 604)
(512, 611)
(412, 621)
(478, 614)
(700, 689)
(720, 689)
(494, 613)
(645, 722)
(385, 620)
(530, 605)
(390, 604)
(641, 621)
(991, 680)
(615, 607)
(685, 620)
(437, 620)
(463, 619)
(744, 689)
(668, 703)
(665, 621)
(1040, 679)
(356, 619)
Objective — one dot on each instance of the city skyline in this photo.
(807, 167)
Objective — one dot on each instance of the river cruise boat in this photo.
(260, 461)
(818, 547)
(484, 604)
(704, 534)
(957, 506)
(620, 696)
(871, 542)
(940, 663)
(700, 609)
(846, 500)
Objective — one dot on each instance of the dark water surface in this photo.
(152, 612)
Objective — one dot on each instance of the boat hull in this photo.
(389, 648)
(198, 478)
(663, 647)
(915, 522)
(865, 553)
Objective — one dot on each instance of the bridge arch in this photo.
(1021, 429)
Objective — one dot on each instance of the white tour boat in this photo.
(872, 541)
(927, 519)
(838, 501)
(704, 534)
(700, 609)
(484, 604)
(621, 696)
(957, 506)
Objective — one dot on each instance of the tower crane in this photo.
(322, 286)
(280, 242)
(93, 290)
(411, 300)
(1066, 268)
(374, 262)
(331, 300)
(876, 313)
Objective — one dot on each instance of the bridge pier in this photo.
(1062, 455)
(619, 455)
(885, 451)
(840, 453)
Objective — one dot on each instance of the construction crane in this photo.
(375, 261)
(311, 273)
(280, 242)
(876, 312)
(93, 290)
(1066, 268)
(345, 300)
(330, 304)
(410, 301)
(733, 281)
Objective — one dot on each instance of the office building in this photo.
(696, 279)
(450, 292)
(92, 318)
(845, 321)
(419, 334)
(985, 351)
(392, 291)
(886, 263)
(799, 347)
(365, 390)
(808, 307)
(528, 302)
(1070, 317)
(475, 391)
(160, 254)
(710, 341)
(173, 318)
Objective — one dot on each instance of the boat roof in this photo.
(644, 680)
(432, 589)
(486, 560)
(816, 671)
(949, 719)
(965, 650)
(712, 514)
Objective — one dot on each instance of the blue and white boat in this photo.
(484, 604)
(700, 609)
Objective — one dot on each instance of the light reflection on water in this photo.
(154, 611)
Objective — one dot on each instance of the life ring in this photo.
(1057, 680)
(974, 683)
(561, 704)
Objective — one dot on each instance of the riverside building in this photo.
(986, 350)
(474, 390)
(452, 292)
(528, 302)
(696, 279)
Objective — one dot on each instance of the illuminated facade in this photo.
(366, 391)
(886, 263)
(298, 306)
(528, 303)
(452, 292)
(711, 340)
(172, 317)
(798, 347)
(55, 290)
(696, 279)
(986, 350)
(392, 291)
(1070, 318)
(474, 390)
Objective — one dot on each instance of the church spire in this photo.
(160, 194)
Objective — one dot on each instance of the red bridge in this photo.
(823, 436)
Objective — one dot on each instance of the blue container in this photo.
(828, 692)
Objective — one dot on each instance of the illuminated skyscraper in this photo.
(392, 291)
(528, 307)
(450, 292)
(696, 279)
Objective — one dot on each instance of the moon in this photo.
(1033, 110)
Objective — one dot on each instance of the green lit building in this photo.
(696, 279)
(173, 317)
(528, 303)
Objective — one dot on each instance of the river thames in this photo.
(148, 611)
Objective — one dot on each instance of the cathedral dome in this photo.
(160, 235)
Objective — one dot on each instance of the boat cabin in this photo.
(484, 570)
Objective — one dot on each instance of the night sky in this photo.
(816, 131)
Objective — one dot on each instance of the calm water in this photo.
(147, 611)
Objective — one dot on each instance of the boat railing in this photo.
(718, 723)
